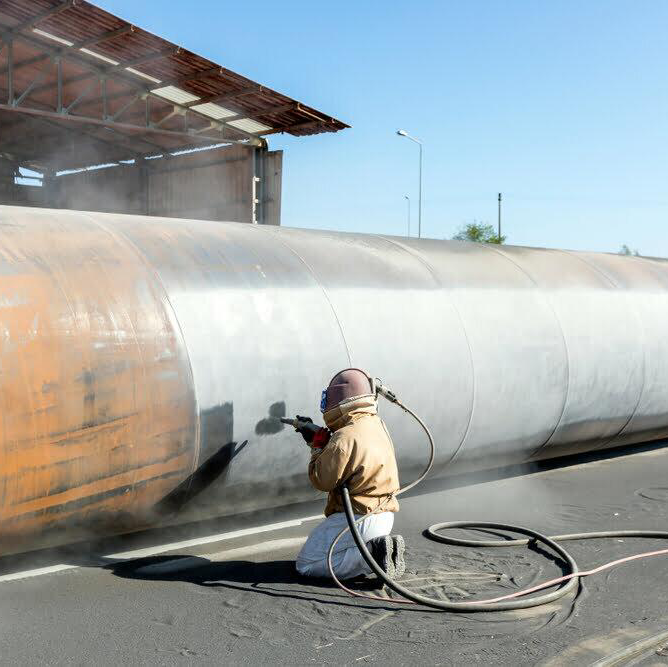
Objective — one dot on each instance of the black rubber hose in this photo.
(466, 606)
(572, 577)
(550, 542)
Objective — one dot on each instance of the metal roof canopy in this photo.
(80, 86)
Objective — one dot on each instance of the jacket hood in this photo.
(345, 412)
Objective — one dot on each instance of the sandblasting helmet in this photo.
(344, 385)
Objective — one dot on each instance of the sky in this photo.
(561, 106)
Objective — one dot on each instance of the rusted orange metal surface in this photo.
(97, 408)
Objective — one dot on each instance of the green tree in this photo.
(478, 232)
(625, 250)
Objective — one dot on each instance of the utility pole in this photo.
(499, 224)
(403, 133)
(420, 197)
(408, 199)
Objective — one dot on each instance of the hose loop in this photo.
(565, 584)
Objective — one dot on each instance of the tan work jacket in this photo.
(359, 452)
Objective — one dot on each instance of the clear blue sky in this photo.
(562, 106)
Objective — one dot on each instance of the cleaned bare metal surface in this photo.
(145, 361)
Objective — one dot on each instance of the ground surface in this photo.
(236, 600)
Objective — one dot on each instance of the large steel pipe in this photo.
(144, 360)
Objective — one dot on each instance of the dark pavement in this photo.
(239, 601)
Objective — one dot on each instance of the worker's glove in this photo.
(315, 436)
(306, 432)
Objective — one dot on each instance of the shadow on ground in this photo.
(273, 578)
(202, 571)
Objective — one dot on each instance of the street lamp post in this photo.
(408, 199)
(403, 133)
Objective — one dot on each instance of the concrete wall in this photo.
(207, 185)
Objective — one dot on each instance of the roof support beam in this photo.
(103, 99)
(36, 81)
(79, 132)
(82, 44)
(154, 148)
(25, 63)
(69, 54)
(103, 71)
(164, 119)
(82, 96)
(67, 82)
(122, 127)
(27, 123)
(205, 129)
(59, 74)
(10, 72)
(126, 106)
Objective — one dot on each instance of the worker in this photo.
(355, 448)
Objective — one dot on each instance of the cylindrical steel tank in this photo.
(144, 360)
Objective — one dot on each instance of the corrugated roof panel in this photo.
(248, 125)
(213, 111)
(174, 94)
(48, 35)
(148, 77)
(99, 56)
(221, 113)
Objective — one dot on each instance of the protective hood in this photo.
(346, 384)
(349, 410)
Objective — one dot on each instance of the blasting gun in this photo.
(315, 436)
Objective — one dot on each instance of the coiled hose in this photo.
(567, 583)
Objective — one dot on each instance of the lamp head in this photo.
(402, 133)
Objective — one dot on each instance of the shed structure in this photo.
(102, 115)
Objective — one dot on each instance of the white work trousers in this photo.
(346, 559)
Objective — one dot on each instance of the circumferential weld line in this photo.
(432, 271)
(120, 237)
(321, 286)
(641, 327)
(545, 444)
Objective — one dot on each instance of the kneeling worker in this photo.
(355, 448)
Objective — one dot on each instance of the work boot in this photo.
(382, 551)
(398, 556)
